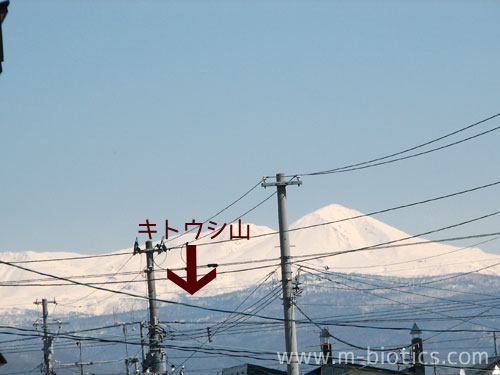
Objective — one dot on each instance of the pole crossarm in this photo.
(297, 182)
(158, 248)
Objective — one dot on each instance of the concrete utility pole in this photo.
(127, 370)
(143, 346)
(48, 345)
(79, 343)
(156, 360)
(495, 343)
(286, 271)
(129, 360)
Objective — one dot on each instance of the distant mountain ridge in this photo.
(124, 272)
(324, 301)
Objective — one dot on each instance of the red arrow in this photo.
(191, 284)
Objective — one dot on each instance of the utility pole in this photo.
(495, 343)
(126, 349)
(143, 346)
(156, 357)
(135, 361)
(286, 271)
(81, 363)
(79, 343)
(129, 360)
(48, 345)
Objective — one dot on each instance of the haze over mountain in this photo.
(236, 259)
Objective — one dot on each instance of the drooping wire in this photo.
(377, 161)
(402, 303)
(219, 212)
(425, 201)
(345, 342)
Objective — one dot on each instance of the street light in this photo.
(3, 14)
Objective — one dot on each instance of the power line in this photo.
(240, 216)
(496, 183)
(393, 300)
(216, 309)
(219, 326)
(29, 282)
(114, 274)
(430, 256)
(393, 288)
(413, 285)
(134, 295)
(361, 165)
(138, 273)
(71, 258)
(219, 212)
(345, 342)
(376, 247)
(410, 156)
(173, 238)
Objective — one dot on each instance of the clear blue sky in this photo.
(112, 112)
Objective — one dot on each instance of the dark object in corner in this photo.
(3, 14)
(3, 361)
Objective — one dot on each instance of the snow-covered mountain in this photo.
(237, 263)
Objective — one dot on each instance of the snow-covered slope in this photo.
(237, 263)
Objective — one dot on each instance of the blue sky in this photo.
(112, 112)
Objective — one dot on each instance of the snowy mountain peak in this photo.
(333, 212)
(318, 239)
(327, 214)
